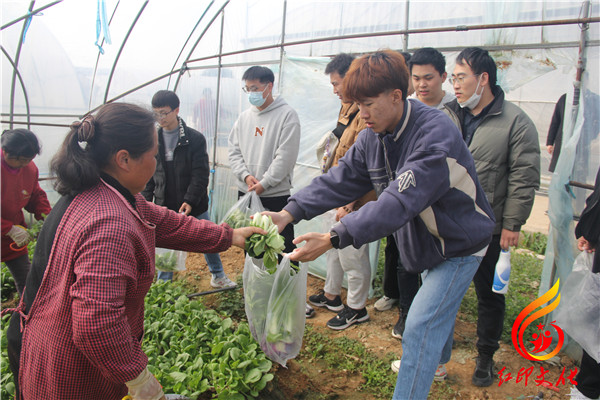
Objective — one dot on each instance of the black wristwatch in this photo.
(335, 239)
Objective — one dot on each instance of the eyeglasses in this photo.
(460, 79)
(162, 114)
(251, 89)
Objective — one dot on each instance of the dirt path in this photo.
(538, 219)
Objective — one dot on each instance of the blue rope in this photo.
(102, 31)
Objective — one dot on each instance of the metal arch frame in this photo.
(184, 66)
(16, 65)
(16, 70)
(189, 37)
(112, 71)
(29, 14)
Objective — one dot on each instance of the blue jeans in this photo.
(212, 259)
(427, 339)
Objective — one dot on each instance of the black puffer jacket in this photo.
(190, 161)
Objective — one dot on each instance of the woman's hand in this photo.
(281, 218)
(241, 234)
(316, 244)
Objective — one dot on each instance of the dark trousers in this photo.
(588, 377)
(276, 204)
(490, 305)
(19, 269)
(397, 282)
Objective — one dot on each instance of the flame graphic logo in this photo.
(541, 341)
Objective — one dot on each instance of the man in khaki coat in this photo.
(505, 146)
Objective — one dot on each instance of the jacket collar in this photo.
(403, 121)
(497, 105)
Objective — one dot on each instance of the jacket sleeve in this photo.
(105, 268)
(181, 232)
(589, 223)
(196, 190)
(286, 154)
(421, 181)
(236, 158)
(38, 203)
(148, 191)
(523, 173)
(557, 117)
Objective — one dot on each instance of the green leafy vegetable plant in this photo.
(166, 262)
(268, 246)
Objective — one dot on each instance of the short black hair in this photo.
(426, 56)
(406, 56)
(20, 143)
(263, 74)
(480, 61)
(339, 64)
(165, 98)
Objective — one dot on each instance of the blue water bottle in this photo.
(502, 273)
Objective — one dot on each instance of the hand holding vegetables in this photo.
(241, 234)
(265, 247)
(281, 218)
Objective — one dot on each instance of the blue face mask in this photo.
(256, 98)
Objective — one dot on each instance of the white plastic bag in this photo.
(578, 313)
(326, 150)
(238, 216)
(168, 260)
(275, 307)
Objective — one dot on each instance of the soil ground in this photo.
(306, 378)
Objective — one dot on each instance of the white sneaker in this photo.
(385, 303)
(223, 282)
(577, 395)
(440, 372)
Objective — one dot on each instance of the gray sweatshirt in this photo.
(265, 144)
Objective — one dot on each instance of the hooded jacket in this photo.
(265, 144)
(506, 150)
(429, 197)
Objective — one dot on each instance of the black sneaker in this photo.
(347, 317)
(398, 330)
(484, 374)
(320, 300)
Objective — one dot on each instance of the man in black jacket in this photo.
(181, 178)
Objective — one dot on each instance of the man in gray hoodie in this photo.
(263, 145)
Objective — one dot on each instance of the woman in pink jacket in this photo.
(83, 308)
(20, 189)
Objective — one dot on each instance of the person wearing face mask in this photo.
(505, 146)
(264, 143)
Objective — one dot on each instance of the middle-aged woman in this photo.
(20, 190)
(79, 328)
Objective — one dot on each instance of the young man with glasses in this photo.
(264, 144)
(180, 181)
(504, 143)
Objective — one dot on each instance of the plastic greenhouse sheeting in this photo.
(200, 49)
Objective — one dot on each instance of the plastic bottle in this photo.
(502, 273)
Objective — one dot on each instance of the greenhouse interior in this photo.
(64, 59)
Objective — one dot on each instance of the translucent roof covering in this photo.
(55, 66)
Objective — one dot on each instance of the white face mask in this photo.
(472, 101)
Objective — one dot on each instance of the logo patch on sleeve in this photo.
(406, 179)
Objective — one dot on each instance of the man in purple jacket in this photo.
(429, 198)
